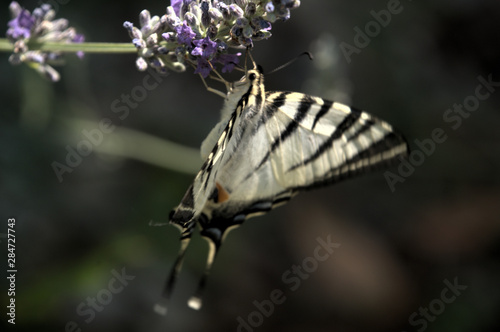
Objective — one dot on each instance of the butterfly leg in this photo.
(217, 92)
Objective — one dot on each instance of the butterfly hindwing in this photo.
(189, 212)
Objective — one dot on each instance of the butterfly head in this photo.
(252, 83)
(251, 77)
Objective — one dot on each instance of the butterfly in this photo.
(267, 147)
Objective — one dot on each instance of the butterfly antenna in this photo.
(153, 223)
(162, 306)
(291, 61)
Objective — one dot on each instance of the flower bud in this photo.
(212, 31)
(241, 3)
(236, 11)
(170, 11)
(15, 9)
(191, 20)
(139, 43)
(292, 4)
(224, 9)
(34, 56)
(152, 40)
(141, 64)
(247, 31)
(50, 73)
(269, 7)
(144, 18)
(261, 24)
(169, 36)
(215, 15)
(241, 22)
(205, 19)
(250, 9)
(178, 67)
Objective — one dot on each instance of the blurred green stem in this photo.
(130, 143)
(6, 46)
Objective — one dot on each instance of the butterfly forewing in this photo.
(318, 142)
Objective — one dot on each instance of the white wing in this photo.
(212, 150)
(318, 142)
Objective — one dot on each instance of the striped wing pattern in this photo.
(325, 141)
(272, 146)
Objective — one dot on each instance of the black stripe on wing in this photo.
(304, 106)
(391, 143)
(184, 213)
(323, 111)
(269, 111)
(345, 125)
(219, 148)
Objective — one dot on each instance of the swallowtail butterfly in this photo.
(267, 147)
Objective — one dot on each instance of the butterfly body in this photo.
(267, 147)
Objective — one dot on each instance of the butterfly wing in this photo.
(189, 211)
(196, 196)
(314, 142)
(213, 149)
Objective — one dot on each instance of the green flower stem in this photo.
(130, 143)
(5, 45)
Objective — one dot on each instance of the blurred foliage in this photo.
(396, 250)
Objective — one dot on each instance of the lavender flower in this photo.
(191, 32)
(228, 61)
(203, 68)
(39, 26)
(185, 34)
(204, 48)
(20, 26)
(176, 5)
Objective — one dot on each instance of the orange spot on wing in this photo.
(223, 194)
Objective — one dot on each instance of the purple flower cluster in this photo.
(39, 26)
(200, 32)
(20, 26)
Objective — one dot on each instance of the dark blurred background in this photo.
(400, 248)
